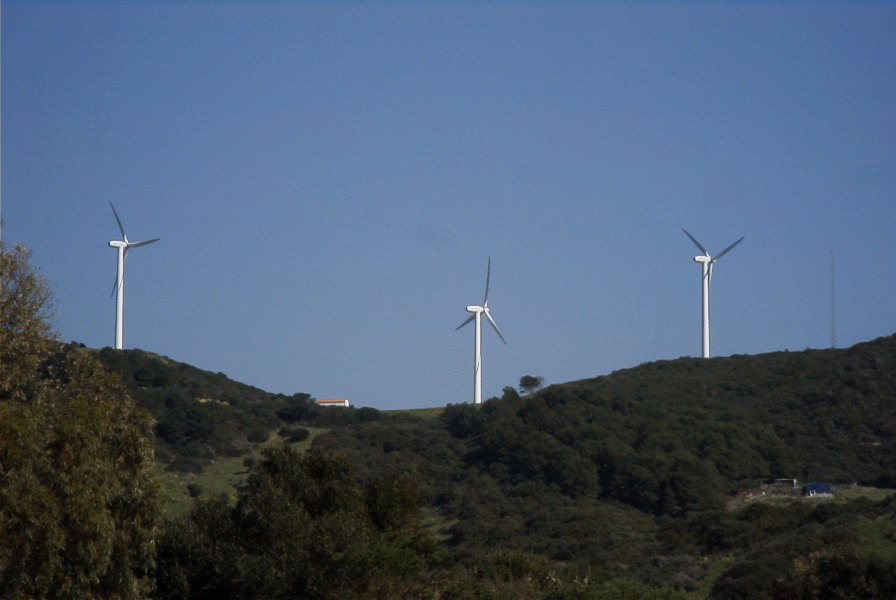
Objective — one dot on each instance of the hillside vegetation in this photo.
(629, 473)
(203, 416)
(615, 486)
(649, 483)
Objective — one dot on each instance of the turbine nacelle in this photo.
(474, 309)
(702, 259)
(117, 244)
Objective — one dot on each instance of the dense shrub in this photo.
(302, 528)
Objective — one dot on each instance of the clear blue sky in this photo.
(328, 180)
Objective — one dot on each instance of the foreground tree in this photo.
(78, 502)
(26, 338)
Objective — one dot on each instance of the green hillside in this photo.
(654, 480)
(630, 473)
(203, 416)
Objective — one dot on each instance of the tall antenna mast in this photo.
(833, 306)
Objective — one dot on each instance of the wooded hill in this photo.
(623, 477)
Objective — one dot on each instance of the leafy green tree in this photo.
(78, 502)
(530, 383)
(26, 337)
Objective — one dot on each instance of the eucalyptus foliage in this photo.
(78, 502)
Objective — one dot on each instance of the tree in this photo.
(529, 383)
(26, 338)
(78, 501)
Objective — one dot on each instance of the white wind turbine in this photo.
(477, 312)
(707, 261)
(118, 290)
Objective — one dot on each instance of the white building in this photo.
(334, 402)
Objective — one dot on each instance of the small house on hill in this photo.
(816, 488)
(785, 482)
(334, 402)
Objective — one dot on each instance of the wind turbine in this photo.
(477, 312)
(707, 260)
(118, 290)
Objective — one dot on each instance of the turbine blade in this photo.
(465, 322)
(696, 243)
(143, 243)
(722, 253)
(120, 226)
(488, 316)
(488, 276)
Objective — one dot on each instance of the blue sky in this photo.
(328, 180)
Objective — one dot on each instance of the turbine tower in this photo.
(707, 260)
(118, 290)
(477, 312)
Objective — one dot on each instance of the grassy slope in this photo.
(222, 476)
